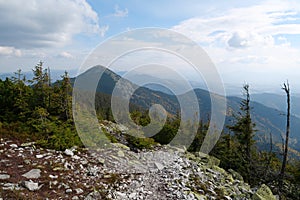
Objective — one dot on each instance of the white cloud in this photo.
(10, 51)
(103, 30)
(246, 26)
(65, 54)
(44, 23)
(241, 39)
(119, 12)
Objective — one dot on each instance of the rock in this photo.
(200, 196)
(13, 146)
(76, 157)
(27, 162)
(4, 176)
(39, 156)
(78, 190)
(101, 160)
(27, 144)
(53, 176)
(10, 186)
(69, 190)
(121, 195)
(159, 166)
(32, 186)
(33, 174)
(93, 195)
(93, 171)
(122, 146)
(264, 193)
(69, 152)
(120, 153)
(132, 195)
(202, 155)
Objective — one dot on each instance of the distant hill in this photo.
(267, 118)
(278, 102)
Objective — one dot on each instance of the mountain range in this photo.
(268, 119)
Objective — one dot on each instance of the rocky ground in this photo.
(27, 172)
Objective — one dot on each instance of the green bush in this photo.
(140, 143)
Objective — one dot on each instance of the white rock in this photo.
(53, 176)
(68, 190)
(69, 152)
(13, 146)
(159, 166)
(78, 190)
(39, 156)
(121, 153)
(34, 173)
(32, 186)
(132, 195)
(121, 195)
(4, 176)
(76, 157)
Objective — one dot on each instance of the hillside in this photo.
(268, 119)
(31, 173)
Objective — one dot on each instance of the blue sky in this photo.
(249, 41)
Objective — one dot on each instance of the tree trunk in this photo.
(286, 88)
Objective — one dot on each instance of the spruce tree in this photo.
(244, 131)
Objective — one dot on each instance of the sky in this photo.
(255, 42)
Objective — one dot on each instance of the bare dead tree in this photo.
(286, 88)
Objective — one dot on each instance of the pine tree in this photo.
(65, 95)
(244, 131)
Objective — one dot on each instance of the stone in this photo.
(121, 195)
(27, 162)
(101, 160)
(159, 166)
(132, 195)
(122, 146)
(76, 157)
(78, 191)
(32, 186)
(39, 156)
(69, 190)
(4, 176)
(13, 146)
(10, 186)
(27, 144)
(120, 153)
(53, 176)
(263, 193)
(69, 152)
(200, 196)
(33, 174)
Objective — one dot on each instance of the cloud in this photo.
(241, 39)
(244, 27)
(45, 23)
(10, 51)
(103, 30)
(119, 12)
(65, 54)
